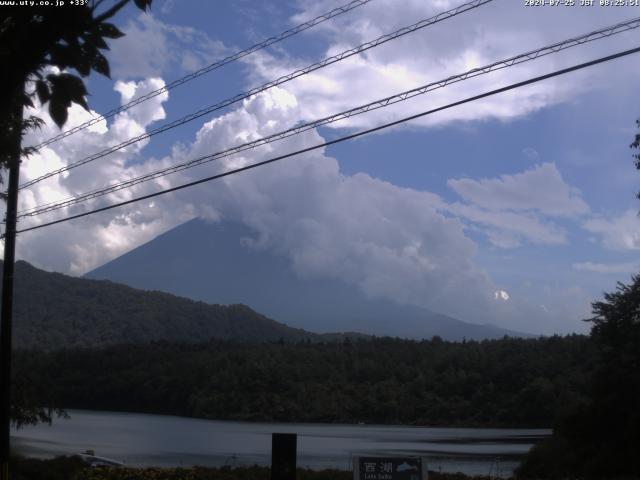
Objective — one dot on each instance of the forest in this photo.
(508, 382)
(586, 387)
(72, 312)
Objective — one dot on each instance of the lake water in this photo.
(157, 440)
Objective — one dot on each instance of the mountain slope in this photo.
(53, 311)
(210, 262)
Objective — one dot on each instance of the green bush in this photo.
(59, 468)
(73, 468)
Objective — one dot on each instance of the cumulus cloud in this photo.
(82, 245)
(541, 188)
(364, 231)
(501, 295)
(476, 38)
(397, 243)
(393, 242)
(153, 48)
(617, 233)
(510, 229)
(514, 209)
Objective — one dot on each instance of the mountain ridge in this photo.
(53, 310)
(211, 262)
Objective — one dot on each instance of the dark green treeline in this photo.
(508, 382)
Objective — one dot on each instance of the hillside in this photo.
(213, 263)
(53, 311)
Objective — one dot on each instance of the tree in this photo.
(616, 386)
(32, 39)
(601, 439)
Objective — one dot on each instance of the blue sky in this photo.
(531, 192)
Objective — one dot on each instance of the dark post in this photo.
(7, 296)
(283, 456)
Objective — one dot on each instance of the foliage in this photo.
(203, 473)
(508, 382)
(242, 473)
(60, 468)
(72, 468)
(601, 438)
(77, 312)
(35, 38)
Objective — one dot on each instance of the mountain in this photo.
(210, 262)
(54, 311)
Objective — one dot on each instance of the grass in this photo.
(73, 468)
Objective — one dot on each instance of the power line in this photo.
(515, 60)
(231, 58)
(341, 139)
(285, 78)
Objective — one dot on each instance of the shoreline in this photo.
(138, 440)
(541, 431)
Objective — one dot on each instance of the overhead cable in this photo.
(501, 64)
(283, 79)
(231, 58)
(338, 140)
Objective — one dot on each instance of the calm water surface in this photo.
(157, 440)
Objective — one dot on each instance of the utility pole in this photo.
(6, 314)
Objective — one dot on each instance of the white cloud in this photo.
(109, 169)
(541, 188)
(513, 209)
(482, 36)
(399, 243)
(510, 229)
(168, 6)
(617, 233)
(83, 245)
(629, 267)
(389, 241)
(151, 48)
(392, 242)
(501, 295)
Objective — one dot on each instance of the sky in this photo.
(518, 210)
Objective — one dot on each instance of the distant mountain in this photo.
(209, 262)
(54, 311)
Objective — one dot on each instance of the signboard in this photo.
(389, 468)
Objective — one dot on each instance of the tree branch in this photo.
(96, 4)
(111, 12)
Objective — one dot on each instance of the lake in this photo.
(158, 440)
